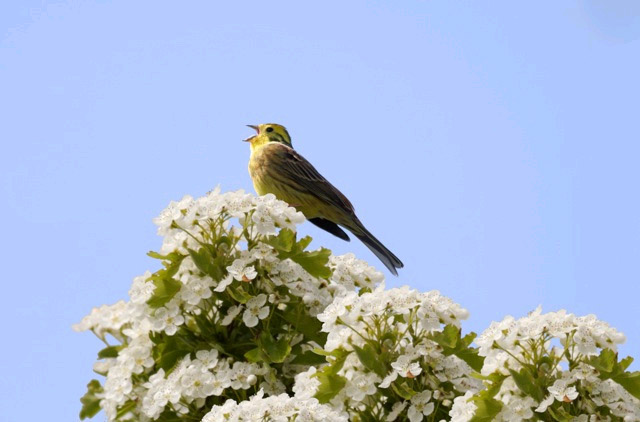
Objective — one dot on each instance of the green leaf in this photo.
(109, 352)
(336, 359)
(609, 367)
(203, 260)
(315, 263)
(276, 350)
(303, 243)
(453, 344)
(169, 416)
(298, 316)
(309, 358)
(91, 403)
(170, 358)
(403, 390)
(468, 339)
(283, 242)
(370, 359)
(126, 408)
(166, 286)
(156, 255)
(171, 350)
(219, 268)
(206, 327)
(471, 357)
(559, 414)
(238, 294)
(330, 386)
(448, 338)
(630, 381)
(605, 362)
(493, 382)
(166, 289)
(322, 352)
(256, 355)
(624, 363)
(525, 383)
(225, 241)
(486, 409)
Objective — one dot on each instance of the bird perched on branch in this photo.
(275, 167)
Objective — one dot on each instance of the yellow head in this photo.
(269, 132)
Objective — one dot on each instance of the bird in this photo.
(276, 168)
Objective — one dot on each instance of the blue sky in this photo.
(494, 148)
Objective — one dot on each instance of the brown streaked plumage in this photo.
(275, 167)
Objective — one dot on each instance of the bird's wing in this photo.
(297, 170)
(331, 227)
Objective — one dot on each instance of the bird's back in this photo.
(276, 168)
(271, 167)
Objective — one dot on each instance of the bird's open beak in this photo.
(254, 127)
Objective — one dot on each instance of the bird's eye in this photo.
(269, 129)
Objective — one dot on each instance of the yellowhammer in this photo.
(275, 167)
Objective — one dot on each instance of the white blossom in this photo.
(255, 310)
(420, 406)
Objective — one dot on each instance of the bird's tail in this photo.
(385, 255)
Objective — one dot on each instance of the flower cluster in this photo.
(243, 322)
(275, 408)
(392, 354)
(230, 314)
(553, 366)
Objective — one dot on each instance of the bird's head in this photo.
(269, 132)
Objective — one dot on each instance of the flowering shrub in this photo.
(552, 367)
(244, 323)
(276, 408)
(231, 313)
(392, 356)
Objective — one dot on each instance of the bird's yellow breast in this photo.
(263, 168)
(258, 163)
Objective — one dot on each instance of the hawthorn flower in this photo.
(106, 318)
(330, 314)
(208, 358)
(463, 408)
(255, 310)
(243, 375)
(407, 367)
(544, 404)
(196, 289)
(232, 312)
(167, 319)
(352, 272)
(420, 406)
(220, 382)
(306, 384)
(173, 212)
(137, 357)
(264, 252)
(386, 382)
(277, 408)
(397, 408)
(222, 285)
(238, 203)
(141, 289)
(362, 385)
(195, 382)
(516, 409)
(561, 391)
(263, 221)
(240, 271)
